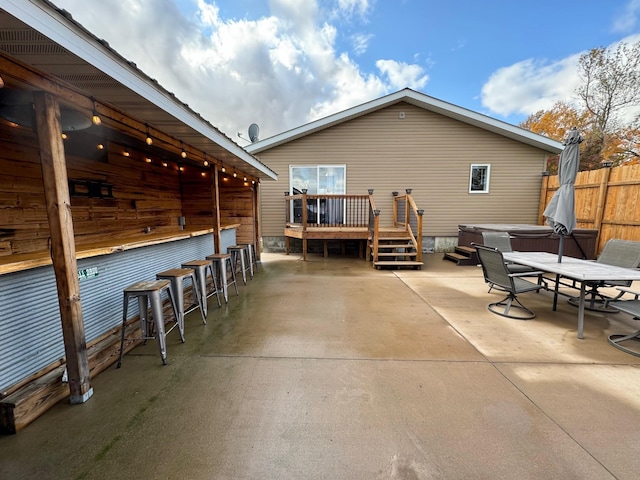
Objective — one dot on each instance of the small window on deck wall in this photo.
(479, 178)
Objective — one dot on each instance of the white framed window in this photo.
(318, 180)
(479, 178)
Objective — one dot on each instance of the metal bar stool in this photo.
(253, 260)
(177, 277)
(239, 254)
(150, 291)
(220, 261)
(200, 267)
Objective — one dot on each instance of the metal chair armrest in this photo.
(628, 290)
(527, 274)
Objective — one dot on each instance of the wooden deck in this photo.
(325, 234)
(355, 217)
(333, 233)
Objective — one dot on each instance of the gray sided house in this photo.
(462, 167)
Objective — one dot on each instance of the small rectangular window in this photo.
(479, 178)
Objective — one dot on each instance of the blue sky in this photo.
(283, 63)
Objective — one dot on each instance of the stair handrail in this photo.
(404, 206)
(374, 225)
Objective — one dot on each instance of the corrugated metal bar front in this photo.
(31, 334)
(30, 330)
(227, 238)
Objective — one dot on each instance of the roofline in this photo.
(421, 100)
(58, 25)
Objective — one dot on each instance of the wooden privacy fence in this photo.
(607, 199)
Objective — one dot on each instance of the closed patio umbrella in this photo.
(561, 211)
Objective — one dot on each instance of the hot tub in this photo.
(534, 238)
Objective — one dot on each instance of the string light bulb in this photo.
(126, 153)
(100, 146)
(64, 136)
(149, 140)
(224, 169)
(183, 154)
(95, 118)
(235, 174)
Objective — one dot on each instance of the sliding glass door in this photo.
(318, 180)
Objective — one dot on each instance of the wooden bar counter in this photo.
(25, 261)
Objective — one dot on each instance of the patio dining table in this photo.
(578, 270)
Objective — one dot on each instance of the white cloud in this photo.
(530, 85)
(352, 8)
(361, 42)
(279, 71)
(628, 19)
(403, 75)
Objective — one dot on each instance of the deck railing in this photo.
(327, 210)
(305, 211)
(406, 215)
(374, 227)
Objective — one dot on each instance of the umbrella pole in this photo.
(560, 248)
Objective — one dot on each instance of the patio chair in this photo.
(496, 273)
(631, 307)
(502, 241)
(620, 253)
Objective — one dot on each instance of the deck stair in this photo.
(462, 255)
(396, 250)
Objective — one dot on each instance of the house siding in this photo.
(424, 151)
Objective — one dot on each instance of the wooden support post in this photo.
(256, 221)
(543, 197)
(216, 210)
(600, 207)
(304, 225)
(419, 235)
(63, 250)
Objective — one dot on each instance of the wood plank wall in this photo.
(607, 199)
(23, 214)
(144, 195)
(236, 207)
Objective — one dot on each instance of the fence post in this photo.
(602, 200)
(543, 197)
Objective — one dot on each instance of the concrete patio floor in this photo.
(330, 369)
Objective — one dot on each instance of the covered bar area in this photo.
(106, 179)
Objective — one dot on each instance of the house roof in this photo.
(47, 38)
(420, 100)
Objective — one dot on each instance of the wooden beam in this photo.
(256, 221)
(216, 210)
(63, 251)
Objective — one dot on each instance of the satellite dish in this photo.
(254, 130)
